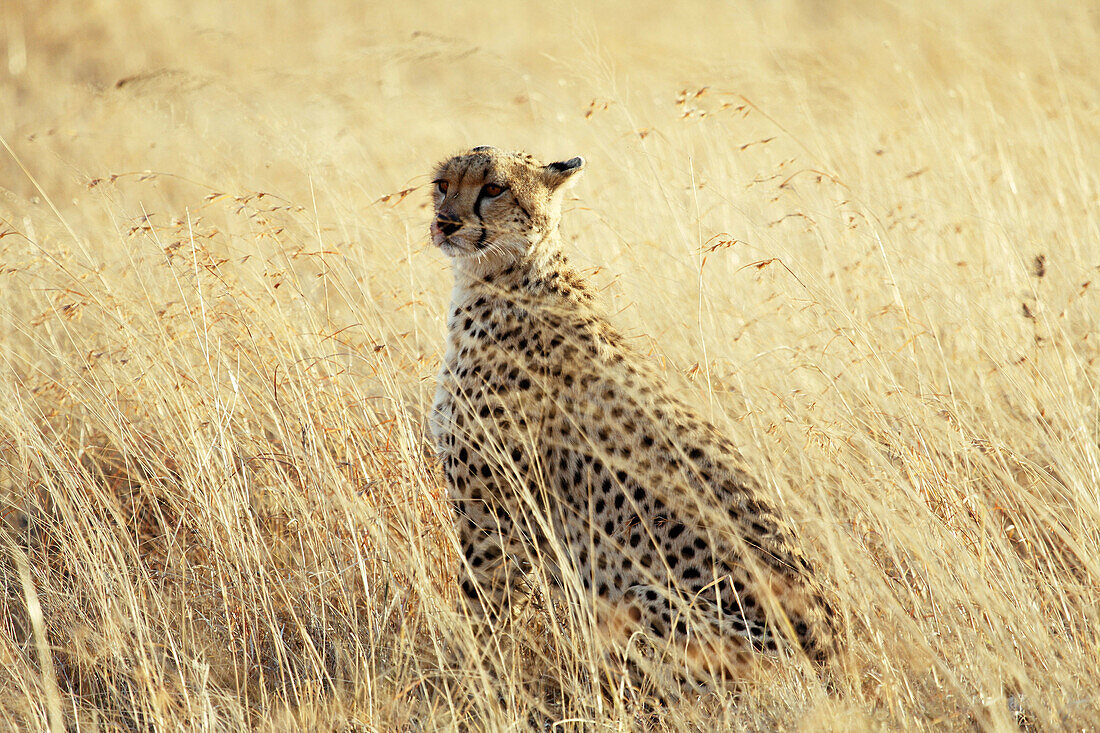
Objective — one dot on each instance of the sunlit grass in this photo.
(865, 242)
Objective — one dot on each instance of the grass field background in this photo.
(863, 236)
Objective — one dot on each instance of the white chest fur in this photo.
(441, 422)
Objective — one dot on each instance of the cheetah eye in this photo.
(441, 185)
(492, 190)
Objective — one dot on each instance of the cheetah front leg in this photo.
(491, 571)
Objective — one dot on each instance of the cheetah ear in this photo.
(556, 174)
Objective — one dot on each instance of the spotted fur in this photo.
(564, 450)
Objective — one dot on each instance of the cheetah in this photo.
(564, 450)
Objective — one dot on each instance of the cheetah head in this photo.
(493, 208)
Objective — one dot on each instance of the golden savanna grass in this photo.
(864, 237)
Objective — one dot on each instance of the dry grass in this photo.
(866, 240)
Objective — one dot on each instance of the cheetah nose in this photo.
(448, 224)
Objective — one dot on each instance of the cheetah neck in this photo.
(539, 275)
